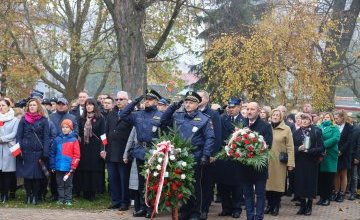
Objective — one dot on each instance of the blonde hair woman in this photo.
(282, 144)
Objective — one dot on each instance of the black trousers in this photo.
(231, 197)
(141, 188)
(32, 187)
(193, 207)
(326, 184)
(291, 176)
(53, 185)
(5, 182)
(273, 198)
(208, 184)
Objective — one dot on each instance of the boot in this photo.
(268, 209)
(340, 197)
(275, 211)
(333, 196)
(321, 200)
(308, 207)
(302, 207)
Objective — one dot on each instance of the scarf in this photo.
(274, 125)
(88, 127)
(7, 116)
(32, 117)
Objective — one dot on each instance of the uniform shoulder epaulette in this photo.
(206, 115)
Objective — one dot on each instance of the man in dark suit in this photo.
(228, 177)
(78, 111)
(118, 131)
(253, 178)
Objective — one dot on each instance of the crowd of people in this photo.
(66, 147)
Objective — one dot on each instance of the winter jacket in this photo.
(65, 153)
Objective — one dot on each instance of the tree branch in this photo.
(156, 49)
(105, 76)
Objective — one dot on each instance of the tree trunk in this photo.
(128, 21)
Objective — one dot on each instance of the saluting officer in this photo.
(193, 125)
(146, 123)
(227, 171)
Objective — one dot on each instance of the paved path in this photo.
(348, 210)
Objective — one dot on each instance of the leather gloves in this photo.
(178, 104)
(138, 99)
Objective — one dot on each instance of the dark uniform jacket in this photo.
(196, 127)
(146, 123)
(344, 161)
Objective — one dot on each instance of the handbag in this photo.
(283, 157)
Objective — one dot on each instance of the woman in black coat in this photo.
(307, 162)
(90, 172)
(33, 137)
(344, 160)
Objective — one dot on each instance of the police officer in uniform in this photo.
(146, 123)
(227, 174)
(193, 125)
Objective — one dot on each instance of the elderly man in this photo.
(254, 179)
(118, 131)
(197, 127)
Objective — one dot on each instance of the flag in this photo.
(104, 139)
(15, 150)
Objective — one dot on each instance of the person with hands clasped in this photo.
(197, 127)
(64, 159)
(309, 147)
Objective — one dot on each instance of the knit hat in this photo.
(67, 122)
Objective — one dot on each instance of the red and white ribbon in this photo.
(163, 147)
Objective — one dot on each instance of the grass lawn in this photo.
(102, 201)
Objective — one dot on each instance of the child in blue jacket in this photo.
(64, 158)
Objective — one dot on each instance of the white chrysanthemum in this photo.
(183, 164)
(147, 171)
(172, 157)
(159, 159)
(155, 173)
(227, 148)
(251, 135)
(183, 176)
(166, 174)
(178, 150)
(158, 167)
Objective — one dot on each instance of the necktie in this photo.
(232, 119)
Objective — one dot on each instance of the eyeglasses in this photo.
(120, 99)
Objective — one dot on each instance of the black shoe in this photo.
(333, 196)
(302, 207)
(114, 206)
(123, 208)
(236, 214)
(268, 209)
(203, 215)
(308, 209)
(224, 213)
(295, 199)
(275, 211)
(325, 202)
(140, 213)
(321, 200)
(148, 215)
(340, 197)
(352, 197)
